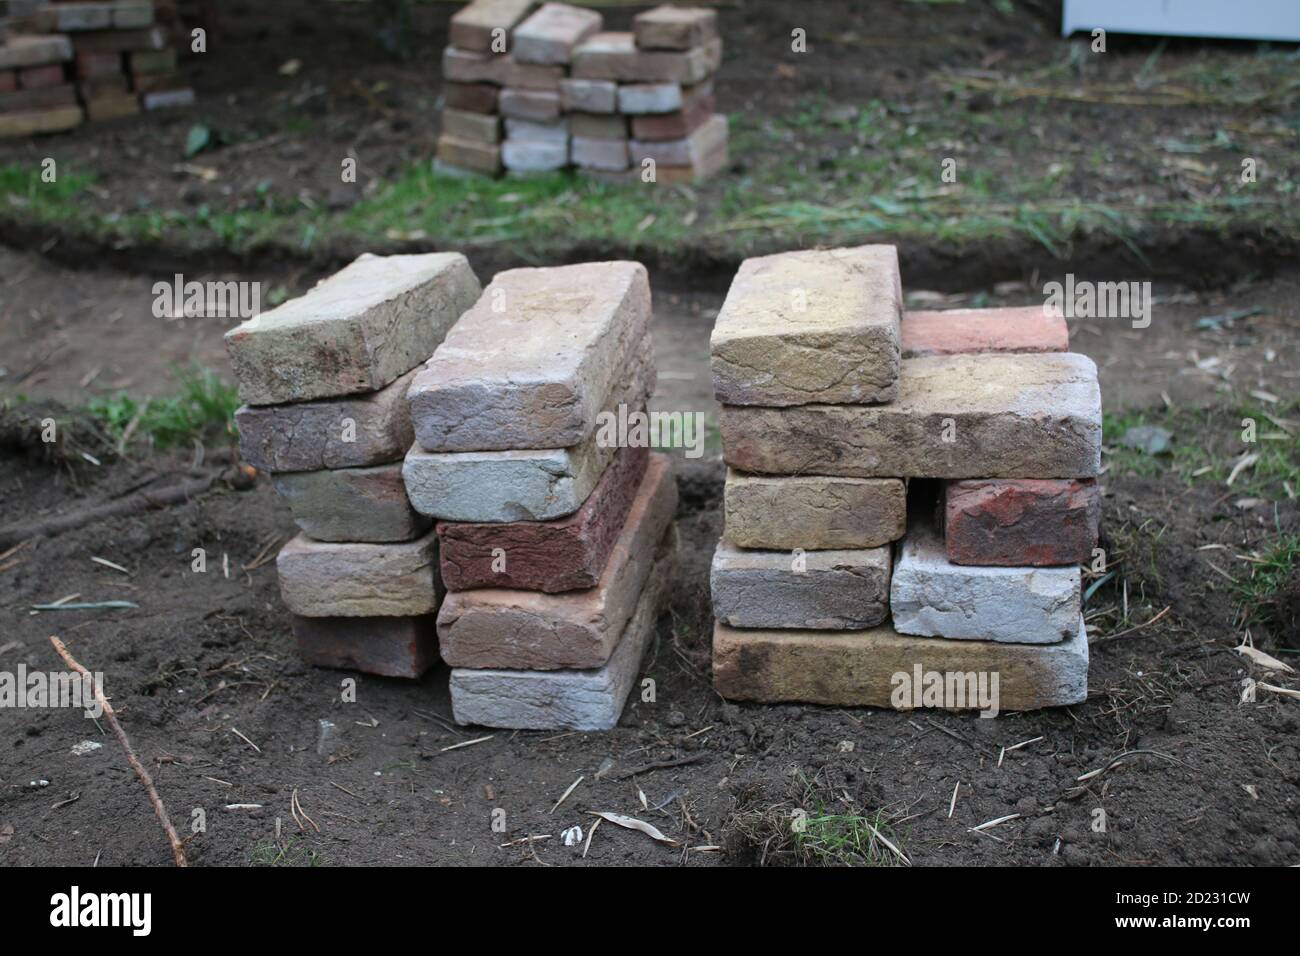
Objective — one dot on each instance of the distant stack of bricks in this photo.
(557, 544)
(532, 92)
(65, 62)
(324, 378)
(840, 412)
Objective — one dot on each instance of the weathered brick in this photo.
(649, 97)
(34, 50)
(1021, 521)
(480, 157)
(336, 579)
(818, 590)
(110, 105)
(599, 153)
(23, 101)
(144, 61)
(956, 416)
(356, 331)
(529, 630)
(599, 126)
(811, 326)
(352, 504)
(8, 81)
(568, 699)
(550, 35)
(472, 26)
(710, 164)
(614, 56)
(41, 77)
(709, 137)
(551, 556)
(671, 27)
(461, 66)
(384, 646)
(471, 127)
(99, 64)
(870, 668)
(132, 14)
(110, 41)
(535, 373)
(470, 97)
(554, 133)
(955, 331)
(932, 597)
(83, 16)
(813, 512)
(589, 96)
(534, 155)
(46, 120)
(541, 105)
(678, 125)
(95, 86)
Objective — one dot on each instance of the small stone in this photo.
(352, 504)
(356, 331)
(527, 630)
(813, 512)
(332, 579)
(671, 27)
(1021, 522)
(385, 646)
(956, 331)
(932, 597)
(819, 590)
(550, 34)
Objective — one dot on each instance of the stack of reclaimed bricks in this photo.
(566, 93)
(324, 378)
(85, 60)
(838, 412)
(557, 544)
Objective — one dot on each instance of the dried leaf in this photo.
(632, 823)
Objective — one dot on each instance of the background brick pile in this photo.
(533, 91)
(66, 61)
(905, 494)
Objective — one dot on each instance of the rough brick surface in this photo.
(552, 132)
(356, 331)
(957, 416)
(608, 154)
(710, 136)
(955, 331)
(813, 512)
(932, 597)
(528, 630)
(331, 579)
(814, 326)
(551, 556)
(467, 154)
(474, 127)
(385, 646)
(649, 97)
(671, 27)
(534, 155)
(471, 97)
(550, 34)
(818, 590)
(589, 96)
(866, 668)
(501, 69)
(535, 373)
(523, 485)
(540, 105)
(568, 699)
(352, 504)
(472, 25)
(1021, 522)
(614, 56)
(677, 125)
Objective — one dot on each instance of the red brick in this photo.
(1021, 522)
(41, 77)
(677, 125)
(386, 646)
(99, 64)
(471, 97)
(550, 556)
(955, 331)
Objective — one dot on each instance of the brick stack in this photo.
(86, 60)
(324, 379)
(833, 401)
(567, 93)
(556, 545)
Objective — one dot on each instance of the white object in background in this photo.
(1238, 20)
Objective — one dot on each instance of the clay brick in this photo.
(671, 27)
(461, 66)
(813, 512)
(1021, 522)
(614, 56)
(120, 41)
(26, 101)
(470, 97)
(41, 77)
(467, 154)
(8, 81)
(148, 61)
(471, 127)
(589, 96)
(608, 154)
(34, 50)
(702, 167)
(708, 138)
(352, 504)
(111, 105)
(955, 331)
(333, 579)
(599, 126)
(553, 133)
(472, 25)
(551, 556)
(99, 64)
(541, 105)
(678, 125)
(384, 646)
(82, 16)
(49, 120)
(550, 35)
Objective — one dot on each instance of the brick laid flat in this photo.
(471, 97)
(704, 141)
(671, 27)
(352, 504)
(550, 34)
(568, 699)
(589, 96)
(649, 97)
(356, 331)
(49, 120)
(710, 164)
(521, 485)
(470, 155)
(868, 668)
(932, 597)
(535, 373)
(813, 326)
(541, 105)
(1021, 521)
(813, 512)
(474, 127)
(956, 416)
(551, 556)
(472, 25)
(677, 125)
(333, 579)
(955, 331)
(386, 646)
(34, 50)
(464, 66)
(819, 590)
(615, 56)
(599, 126)
(606, 154)
(528, 630)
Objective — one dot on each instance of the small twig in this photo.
(1130, 630)
(178, 851)
(565, 796)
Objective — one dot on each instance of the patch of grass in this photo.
(204, 408)
(845, 839)
(290, 853)
(1269, 575)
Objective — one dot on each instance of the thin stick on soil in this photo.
(178, 850)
